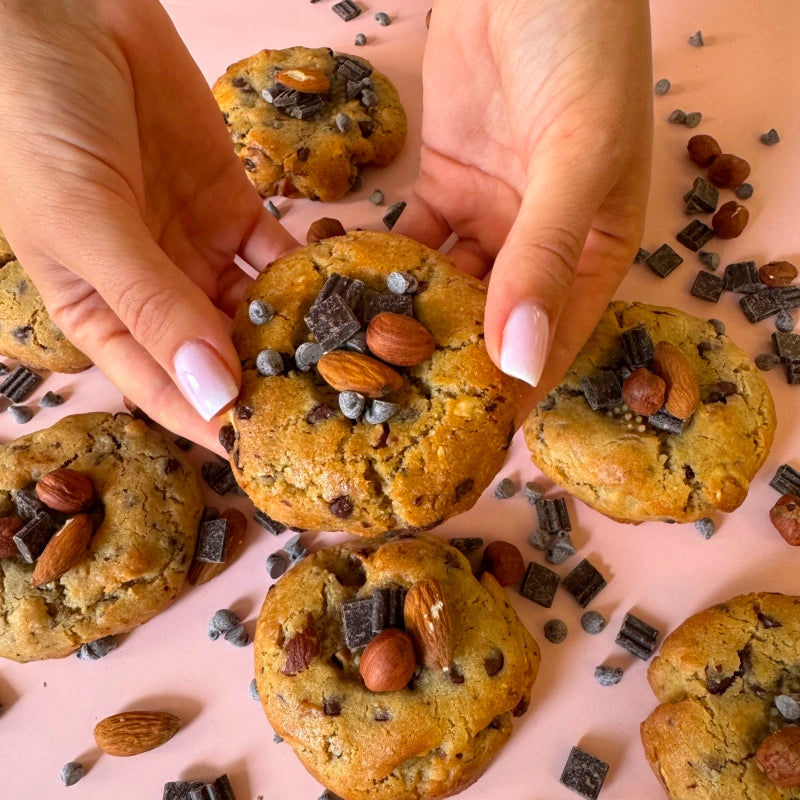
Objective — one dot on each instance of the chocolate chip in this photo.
(593, 622)
(332, 322)
(464, 488)
(602, 389)
(785, 481)
(379, 411)
(664, 421)
(662, 86)
(227, 437)
(268, 523)
(663, 261)
(707, 286)
(377, 198)
(295, 549)
(693, 119)
(695, 235)
(276, 564)
(71, 773)
(584, 583)
(637, 637)
(533, 491)
(539, 584)
(393, 213)
(320, 413)
(706, 527)
(50, 400)
(505, 489)
(584, 774)
(456, 675)
(269, 362)
(341, 507)
(788, 707)
(344, 122)
(21, 414)
(34, 535)
(744, 191)
(260, 312)
(770, 137)
(346, 9)
(401, 283)
(382, 18)
(303, 153)
(357, 622)
(493, 662)
(219, 476)
(351, 404)
(696, 39)
(560, 549)
(677, 117)
(541, 540)
(608, 676)
(92, 651)
(720, 390)
(709, 259)
(555, 631)
(22, 333)
(19, 384)
(360, 40)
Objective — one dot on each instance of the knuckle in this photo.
(555, 252)
(146, 310)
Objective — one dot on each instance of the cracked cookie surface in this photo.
(716, 677)
(313, 156)
(27, 333)
(634, 476)
(151, 501)
(430, 739)
(304, 463)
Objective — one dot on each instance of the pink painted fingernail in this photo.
(524, 347)
(204, 378)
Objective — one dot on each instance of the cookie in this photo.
(27, 333)
(437, 734)
(292, 448)
(719, 678)
(305, 120)
(146, 510)
(655, 466)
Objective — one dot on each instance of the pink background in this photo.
(743, 81)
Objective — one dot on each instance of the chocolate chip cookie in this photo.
(305, 120)
(139, 501)
(326, 435)
(660, 417)
(322, 637)
(727, 679)
(27, 333)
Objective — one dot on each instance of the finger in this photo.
(266, 241)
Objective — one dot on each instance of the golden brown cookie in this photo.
(437, 733)
(144, 507)
(292, 448)
(305, 120)
(655, 465)
(727, 678)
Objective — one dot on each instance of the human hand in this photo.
(125, 203)
(536, 153)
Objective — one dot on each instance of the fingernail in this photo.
(526, 336)
(204, 378)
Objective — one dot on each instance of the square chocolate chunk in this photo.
(637, 637)
(663, 261)
(702, 197)
(787, 346)
(584, 583)
(786, 480)
(695, 235)
(19, 384)
(332, 322)
(539, 584)
(346, 9)
(742, 277)
(638, 345)
(553, 515)
(707, 286)
(584, 774)
(602, 390)
(357, 622)
(759, 305)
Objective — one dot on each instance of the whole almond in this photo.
(703, 149)
(428, 622)
(777, 273)
(779, 757)
(201, 572)
(727, 171)
(354, 372)
(304, 79)
(399, 339)
(730, 220)
(64, 550)
(683, 391)
(504, 561)
(301, 649)
(324, 228)
(388, 661)
(134, 732)
(8, 527)
(65, 490)
(643, 392)
(785, 516)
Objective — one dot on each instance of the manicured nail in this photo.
(204, 378)
(526, 336)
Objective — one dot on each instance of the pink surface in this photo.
(743, 81)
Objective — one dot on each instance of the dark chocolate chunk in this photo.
(793, 372)
(493, 662)
(34, 535)
(393, 213)
(357, 622)
(92, 651)
(351, 69)
(332, 322)
(331, 706)
(786, 480)
(702, 196)
(220, 789)
(663, 261)
(351, 290)
(787, 345)
(788, 297)
(584, 774)
(19, 384)
(464, 488)
(637, 637)
(285, 98)
(219, 476)
(306, 107)
(759, 305)
(466, 544)
(638, 345)
(367, 128)
(320, 413)
(553, 515)
(695, 235)
(387, 608)
(720, 390)
(28, 503)
(664, 421)
(180, 790)
(269, 524)
(707, 286)
(539, 584)
(227, 437)
(742, 277)
(346, 9)
(602, 389)
(341, 506)
(354, 89)
(376, 302)
(22, 333)
(584, 583)
(212, 541)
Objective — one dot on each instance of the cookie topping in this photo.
(301, 649)
(260, 312)
(332, 321)
(602, 390)
(555, 631)
(379, 411)
(357, 622)
(32, 538)
(742, 277)
(269, 362)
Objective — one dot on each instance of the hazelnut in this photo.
(730, 220)
(388, 661)
(324, 228)
(504, 561)
(785, 516)
(703, 149)
(777, 273)
(301, 650)
(727, 171)
(644, 392)
(779, 757)
(65, 490)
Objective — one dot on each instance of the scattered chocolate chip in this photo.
(276, 564)
(584, 774)
(346, 9)
(71, 772)
(252, 690)
(369, 99)
(92, 651)
(276, 212)
(360, 40)
(718, 325)
(505, 488)
(663, 261)
(539, 584)
(637, 637)
(50, 400)
(706, 527)
(533, 491)
(34, 535)
(223, 620)
(21, 414)
(19, 384)
(295, 549)
(593, 622)
(693, 119)
(744, 191)
(357, 622)
(641, 255)
(401, 283)
(662, 86)
(218, 475)
(602, 389)
(307, 354)
(584, 583)
(553, 515)
(382, 18)
(784, 322)
(377, 198)
(351, 404)
(341, 507)
(770, 137)
(696, 39)
(541, 540)
(707, 286)
(560, 549)
(237, 636)
(378, 411)
(677, 117)
(393, 213)
(608, 676)
(329, 795)
(227, 437)
(555, 631)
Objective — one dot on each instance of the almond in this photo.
(355, 372)
(304, 79)
(64, 550)
(301, 649)
(727, 171)
(683, 391)
(779, 757)
(8, 527)
(65, 490)
(388, 661)
(399, 339)
(324, 228)
(427, 620)
(504, 561)
(134, 732)
(785, 516)
(730, 220)
(643, 392)
(201, 572)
